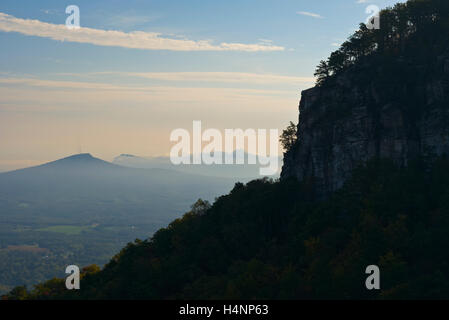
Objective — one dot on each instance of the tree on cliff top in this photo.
(405, 30)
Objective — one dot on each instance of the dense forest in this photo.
(278, 240)
(274, 240)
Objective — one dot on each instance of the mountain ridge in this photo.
(82, 159)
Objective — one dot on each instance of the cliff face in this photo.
(396, 111)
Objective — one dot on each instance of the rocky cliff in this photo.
(397, 108)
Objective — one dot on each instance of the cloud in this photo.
(310, 14)
(49, 11)
(129, 21)
(53, 96)
(112, 38)
(55, 84)
(215, 77)
(48, 118)
(98, 86)
(238, 78)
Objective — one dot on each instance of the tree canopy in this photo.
(406, 29)
(288, 136)
(275, 240)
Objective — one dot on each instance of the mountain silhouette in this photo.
(242, 172)
(81, 186)
(79, 160)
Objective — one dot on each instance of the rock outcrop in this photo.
(396, 109)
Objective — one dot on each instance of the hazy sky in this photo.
(138, 69)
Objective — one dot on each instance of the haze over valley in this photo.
(81, 210)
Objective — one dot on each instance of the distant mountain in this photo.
(83, 187)
(81, 210)
(80, 160)
(129, 160)
(235, 171)
(83, 161)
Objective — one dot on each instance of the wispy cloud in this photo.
(310, 14)
(208, 77)
(128, 20)
(55, 84)
(49, 11)
(97, 86)
(135, 40)
(26, 94)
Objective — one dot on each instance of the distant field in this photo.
(66, 229)
(32, 248)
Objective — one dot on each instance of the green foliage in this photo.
(18, 293)
(322, 72)
(275, 240)
(200, 207)
(407, 29)
(288, 136)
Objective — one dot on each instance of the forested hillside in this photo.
(274, 240)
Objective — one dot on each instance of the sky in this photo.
(137, 69)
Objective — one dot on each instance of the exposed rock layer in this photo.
(397, 111)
